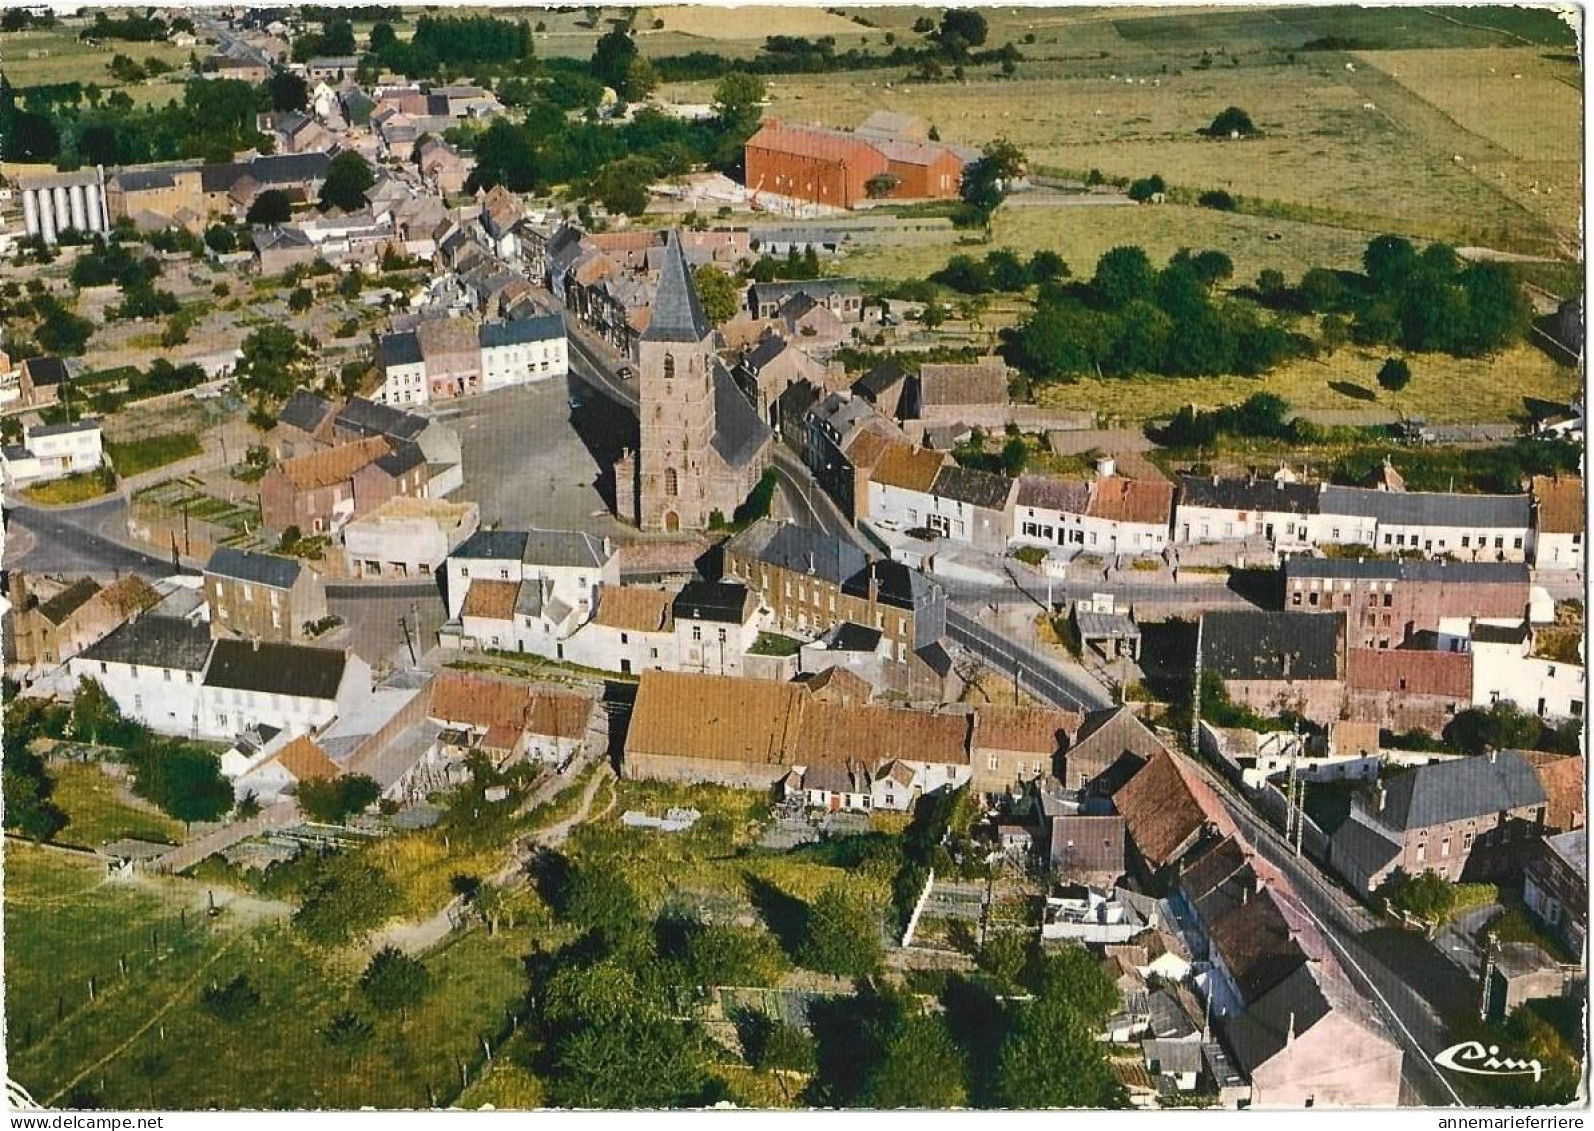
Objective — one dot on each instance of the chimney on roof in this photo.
(811, 561)
(1106, 467)
(255, 641)
(1289, 1036)
(1289, 658)
(1493, 755)
(1382, 796)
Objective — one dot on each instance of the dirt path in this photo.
(413, 937)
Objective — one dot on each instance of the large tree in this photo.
(348, 178)
(842, 935)
(1123, 274)
(274, 362)
(334, 800)
(288, 91)
(721, 294)
(393, 981)
(612, 60)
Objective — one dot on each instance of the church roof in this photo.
(739, 432)
(677, 311)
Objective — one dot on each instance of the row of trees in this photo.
(447, 42)
(214, 119)
(1001, 271)
(1132, 318)
(612, 164)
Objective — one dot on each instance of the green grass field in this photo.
(144, 1038)
(78, 488)
(1443, 389)
(133, 457)
(101, 811)
(1081, 233)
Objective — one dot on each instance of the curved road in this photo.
(68, 540)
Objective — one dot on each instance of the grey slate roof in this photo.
(157, 642)
(1471, 573)
(1050, 492)
(677, 311)
(563, 548)
(1571, 847)
(1248, 495)
(43, 371)
(405, 456)
(372, 419)
(1249, 644)
(399, 349)
(276, 669)
(819, 289)
(543, 328)
(305, 411)
(899, 586)
(262, 569)
(87, 424)
(494, 545)
(721, 601)
(977, 488)
(800, 549)
(1500, 633)
(1452, 791)
(1422, 508)
(1364, 845)
(739, 431)
(851, 637)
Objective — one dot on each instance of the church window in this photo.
(669, 366)
(672, 486)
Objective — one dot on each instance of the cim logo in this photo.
(1476, 1059)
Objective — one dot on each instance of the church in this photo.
(703, 446)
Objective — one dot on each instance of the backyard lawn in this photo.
(133, 457)
(101, 810)
(78, 488)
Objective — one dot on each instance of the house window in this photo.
(188, 677)
(1444, 847)
(166, 674)
(104, 668)
(991, 762)
(697, 632)
(625, 638)
(722, 636)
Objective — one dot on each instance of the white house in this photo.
(403, 370)
(1558, 522)
(1275, 511)
(1465, 527)
(716, 624)
(407, 537)
(278, 770)
(524, 350)
(632, 631)
(294, 688)
(51, 451)
(1114, 514)
(527, 591)
(573, 565)
(1504, 668)
(154, 668)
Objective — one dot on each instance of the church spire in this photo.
(677, 311)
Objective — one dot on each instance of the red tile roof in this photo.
(1411, 672)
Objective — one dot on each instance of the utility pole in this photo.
(404, 624)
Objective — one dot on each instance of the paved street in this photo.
(1411, 1001)
(1034, 673)
(71, 540)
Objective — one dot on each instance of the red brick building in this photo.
(1387, 602)
(322, 491)
(834, 166)
(1405, 689)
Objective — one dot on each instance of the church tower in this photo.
(676, 464)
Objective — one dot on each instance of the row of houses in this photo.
(193, 195)
(1281, 1026)
(1312, 665)
(558, 595)
(443, 358)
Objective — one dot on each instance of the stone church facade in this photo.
(702, 445)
